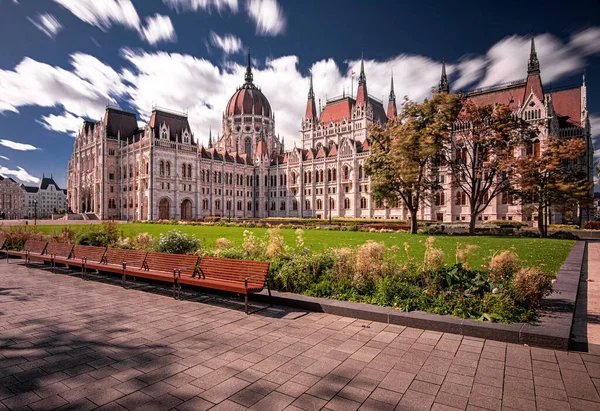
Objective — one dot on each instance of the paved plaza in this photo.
(71, 344)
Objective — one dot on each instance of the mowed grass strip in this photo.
(548, 254)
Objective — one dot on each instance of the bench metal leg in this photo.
(124, 280)
(246, 302)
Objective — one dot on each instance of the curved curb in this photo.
(552, 330)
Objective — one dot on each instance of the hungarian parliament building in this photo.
(160, 171)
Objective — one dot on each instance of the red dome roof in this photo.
(248, 100)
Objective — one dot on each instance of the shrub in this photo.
(503, 266)
(506, 223)
(592, 225)
(433, 259)
(223, 244)
(102, 235)
(176, 242)
(462, 253)
(143, 241)
(369, 262)
(562, 227)
(529, 234)
(530, 285)
(564, 235)
(252, 246)
(16, 236)
(275, 243)
(66, 235)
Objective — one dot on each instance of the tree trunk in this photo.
(472, 224)
(413, 222)
(542, 221)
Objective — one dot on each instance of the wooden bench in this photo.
(116, 261)
(54, 250)
(163, 267)
(81, 255)
(31, 248)
(227, 274)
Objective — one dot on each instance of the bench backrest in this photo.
(119, 256)
(168, 262)
(35, 246)
(2, 242)
(234, 270)
(59, 249)
(90, 252)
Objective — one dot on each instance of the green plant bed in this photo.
(546, 253)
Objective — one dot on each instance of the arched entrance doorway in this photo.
(163, 209)
(186, 210)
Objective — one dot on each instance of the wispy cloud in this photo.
(158, 29)
(47, 24)
(106, 13)
(17, 146)
(4, 158)
(207, 5)
(21, 174)
(268, 17)
(229, 43)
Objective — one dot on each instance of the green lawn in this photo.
(547, 253)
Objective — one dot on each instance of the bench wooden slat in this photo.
(90, 252)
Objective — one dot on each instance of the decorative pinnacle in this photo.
(362, 79)
(249, 76)
(444, 86)
(311, 93)
(533, 67)
(392, 94)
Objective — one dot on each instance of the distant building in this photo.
(44, 200)
(11, 199)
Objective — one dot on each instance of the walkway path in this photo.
(81, 345)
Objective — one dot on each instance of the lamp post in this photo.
(330, 207)
(35, 212)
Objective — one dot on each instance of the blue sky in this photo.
(64, 60)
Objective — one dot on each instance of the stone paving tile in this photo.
(115, 349)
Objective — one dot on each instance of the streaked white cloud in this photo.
(107, 13)
(588, 40)
(17, 146)
(207, 5)
(47, 24)
(64, 123)
(21, 174)
(268, 17)
(4, 158)
(229, 43)
(158, 29)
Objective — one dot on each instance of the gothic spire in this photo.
(362, 79)
(311, 93)
(311, 108)
(444, 87)
(392, 94)
(249, 76)
(533, 67)
(392, 111)
(210, 143)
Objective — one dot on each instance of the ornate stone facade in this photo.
(120, 171)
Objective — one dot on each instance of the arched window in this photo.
(161, 168)
(346, 203)
(248, 147)
(163, 135)
(334, 174)
(294, 205)
(321, 176)
(346, 172)
(293, 178)
(183, 170)
(363, 202)
(249, 205)
(329, 176)
(319, 204)
(282, 206)
(360, 172)
(168, 169)
(461, 198)
(307, 204)
(309, 177)
(272, 205)
(533, 148)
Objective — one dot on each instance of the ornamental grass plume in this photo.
(433, 259)
(503, 266)
(370, 259)
(463, 252)
(223, 244)
(299, 238)
(345, 259)
(275, 243)
(144, 242)
(530, 285)
(252, 245)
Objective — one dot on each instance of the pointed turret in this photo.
(392, 111)
(534, 80)
(533, 67)
(444, 87)
(311, 109)
(249, 76)
(210, 143)
(361, 95)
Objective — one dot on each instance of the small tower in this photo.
(533, 67)
(534, 79)
(210, 143)
(444, 87)
(361, 95)
(311, 108)
(392, 111)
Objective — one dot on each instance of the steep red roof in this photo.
(378, 111)
(248, 100)
(337, 110)
(333, 151)
(321, 153)
(511, 96)
(534, 82)
(567, 104)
